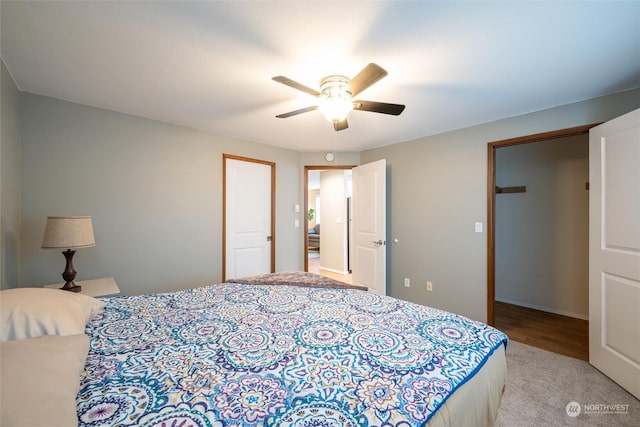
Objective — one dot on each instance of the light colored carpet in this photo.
(541, 384)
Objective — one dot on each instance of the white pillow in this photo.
(40, 380)
(33, 312)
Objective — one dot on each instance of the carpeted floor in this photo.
(541, 384)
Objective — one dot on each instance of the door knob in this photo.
(378, 243)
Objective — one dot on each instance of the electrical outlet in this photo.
(429, 286)
(407, 283)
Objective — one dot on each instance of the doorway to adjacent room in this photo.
(327, 231)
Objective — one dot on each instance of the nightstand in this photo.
(94, 288)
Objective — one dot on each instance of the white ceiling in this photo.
(208, 65)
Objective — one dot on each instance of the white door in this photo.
(614, 250)
(369, 226)
(248, 225)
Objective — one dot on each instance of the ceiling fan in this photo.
(335, 98)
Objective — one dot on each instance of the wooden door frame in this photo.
(305, 231)
(226, 156)
(491, 198)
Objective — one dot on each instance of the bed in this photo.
(286, 351)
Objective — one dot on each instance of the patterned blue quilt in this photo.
(249, 355)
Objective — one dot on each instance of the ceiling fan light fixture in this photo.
(335, 108)
(335, 99)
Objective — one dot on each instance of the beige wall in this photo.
(333, 231)
(542, 235)
(437, 190)
(10, 186)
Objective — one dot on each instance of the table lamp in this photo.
(68, 232)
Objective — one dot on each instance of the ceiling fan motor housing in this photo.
(335, 86)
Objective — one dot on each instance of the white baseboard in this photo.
(547, 309)
(333, 270)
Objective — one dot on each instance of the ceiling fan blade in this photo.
(365, 78)
(379, 107)
(340, 124)
(296, 112)
(294, 84)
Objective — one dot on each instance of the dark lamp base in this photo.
(69, 273)
(70, 286)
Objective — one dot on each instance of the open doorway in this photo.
(538, 240)
(327, 232)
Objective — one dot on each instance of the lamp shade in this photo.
(68, 232)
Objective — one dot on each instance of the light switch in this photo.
(338, 220)
(296, 208)
(478, 227)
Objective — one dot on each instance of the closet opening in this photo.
(538, 239)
